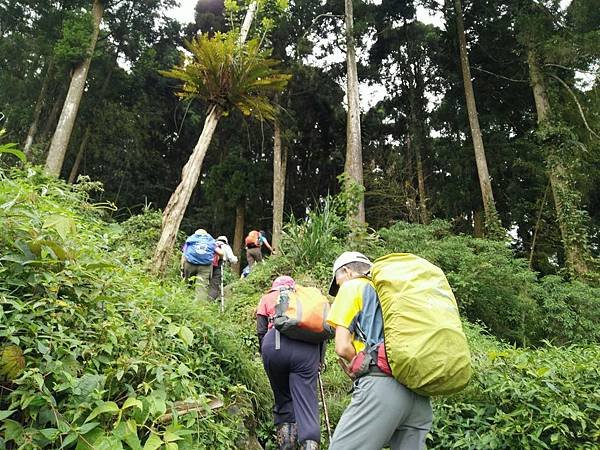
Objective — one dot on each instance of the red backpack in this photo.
(253, 239)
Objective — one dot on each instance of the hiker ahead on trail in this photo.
(292, 349)
(382, 411)
(217, 271)
(199, 251)
(254, 242)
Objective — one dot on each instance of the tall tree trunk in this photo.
(62, 135)
(39, 105)
(489, 206)
(79, 157)
(179, 200)
(50, 122)
(409, 188)
(88, 129)
(279, 169)
(478, 224)
(353, 165)
(238, 235)
(423, 211)
(569, 222)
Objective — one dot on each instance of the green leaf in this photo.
(171, 437)
(5, 414)
(61, 224)
(108, 407)
(86, 428)
(153, 442)
(49, 433)
(108, 443)
(186, 335)
(71, 437)
(12, 430)
(8, 148)
(132, 401)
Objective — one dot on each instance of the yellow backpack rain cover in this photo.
(426, 347)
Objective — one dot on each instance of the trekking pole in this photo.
(222, 296)
(324, 405)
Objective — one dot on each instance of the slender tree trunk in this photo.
(238, 235)
(423, 211)
(88, 130)
(279, 169)
(353, 165)
(179, 200)
(250, 13)
(489, 206)
(79, 157)
(569, 223)
(50, 122)
(39, 105)
(409, 188)
(62, 135)
(478, 224)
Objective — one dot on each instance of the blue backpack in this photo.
(200, 249)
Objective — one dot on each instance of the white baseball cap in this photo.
(341, 261)
(223, 239)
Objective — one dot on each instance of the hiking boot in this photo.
(309, 445)
(287, 436)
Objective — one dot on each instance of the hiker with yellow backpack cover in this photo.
(399, 336)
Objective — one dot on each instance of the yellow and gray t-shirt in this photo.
(356, 307)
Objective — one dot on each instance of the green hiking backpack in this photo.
(425, 344)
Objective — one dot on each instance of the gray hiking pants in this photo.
(383, 413)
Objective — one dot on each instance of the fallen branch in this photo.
(186, 407)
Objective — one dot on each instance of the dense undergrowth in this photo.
(98, 354)
(95, 352)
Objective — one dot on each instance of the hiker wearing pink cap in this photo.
(292, 370)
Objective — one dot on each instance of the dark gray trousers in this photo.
(292, 372)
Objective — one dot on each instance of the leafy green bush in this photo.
(570, 311)
(526, 399)
(497, 289)
(97, 354)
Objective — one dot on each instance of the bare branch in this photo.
(317, 18)
(572, 68)
(578, 105)
(499, 76)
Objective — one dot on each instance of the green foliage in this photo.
(569, 310)
(96, 353)
(74, 44)
(224, 73)
(527, 399)
(10, 149)
(494, 287)
(316, 240)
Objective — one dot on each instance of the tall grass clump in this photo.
(314, 241)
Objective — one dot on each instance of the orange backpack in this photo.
(253, 239)
(302, 314)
